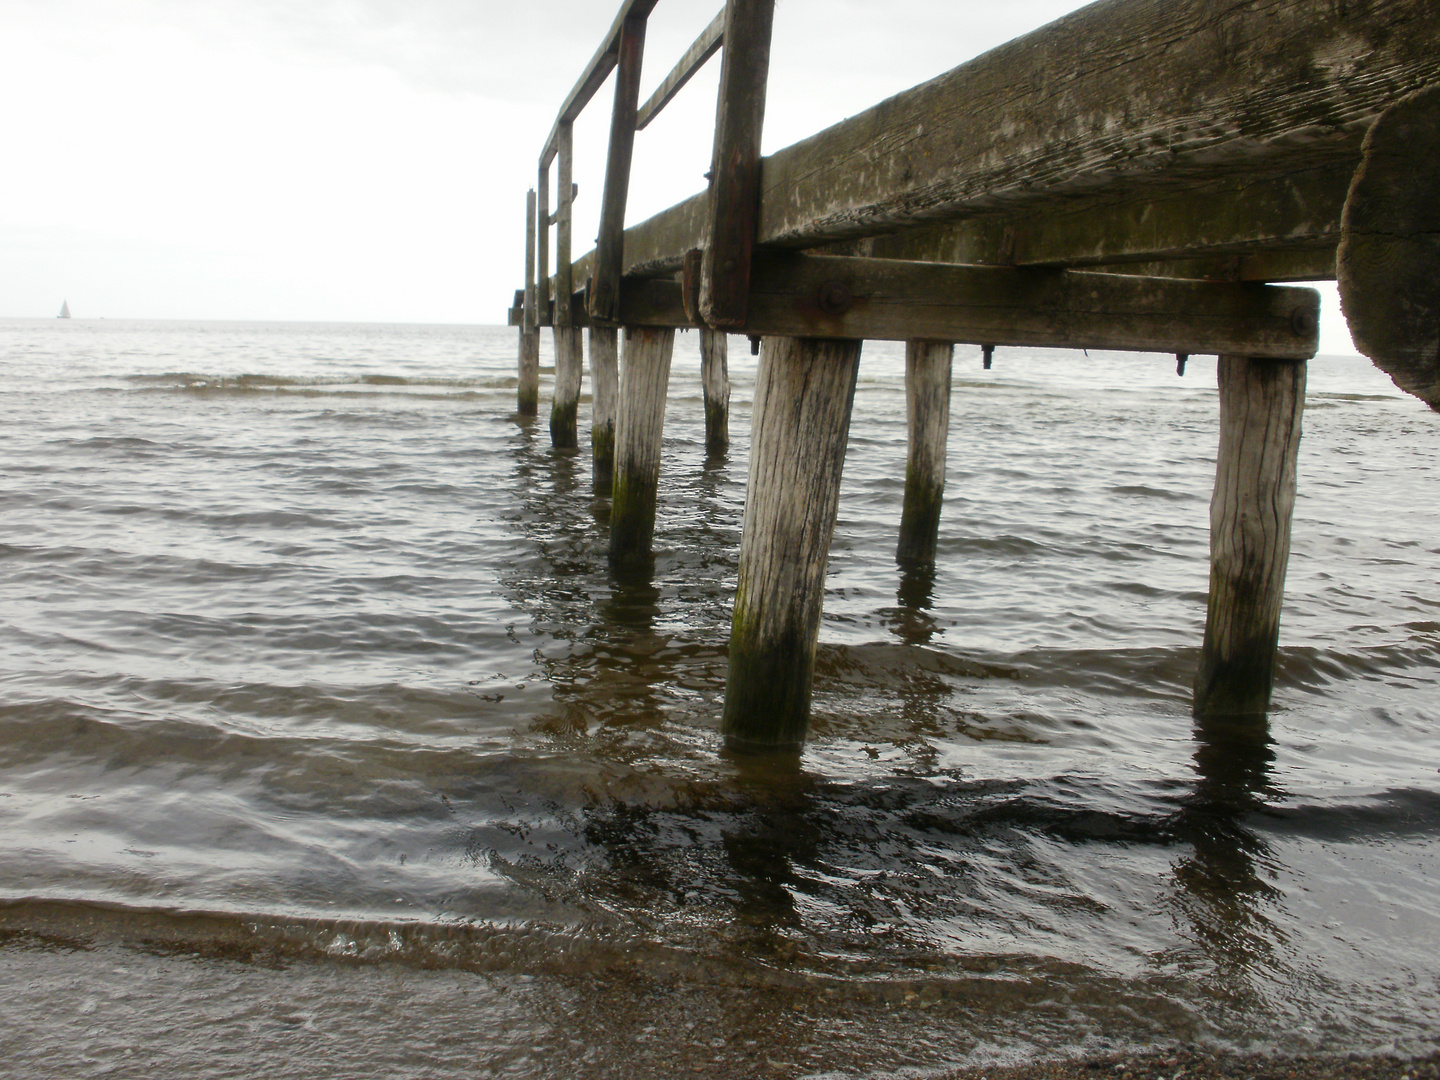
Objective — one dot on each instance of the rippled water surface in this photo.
(329, 745)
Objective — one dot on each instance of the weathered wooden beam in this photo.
(604, 296)
(1229, 218)
(1389, 258)
(715, 385)
(1261, 403)
(1130, 100)
(527, 392)
(563, 219)
(644, 382)
(927, 414)
(804, 390)
(542, 247)
(595, 74)
(877, 299)
(705, 46)
(735, 163)
(604, 403)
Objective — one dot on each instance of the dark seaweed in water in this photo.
(318, 689)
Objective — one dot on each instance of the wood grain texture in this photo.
(927, 413)
(1389, 259)
(542, 247)
(715, 383)
(804, 390)
(565, 405)
(644, 383)
(605, 402)
(735, 162)
(1261, 403)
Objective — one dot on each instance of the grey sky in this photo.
(368, 159)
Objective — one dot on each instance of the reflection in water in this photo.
(1222, 893)
(911, 621)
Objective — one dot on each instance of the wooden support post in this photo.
(604, 296)
(605, 394)
(715, 379)
(645, 382)
(527, 393)
(566, 403)
(542, 249)
(735, 162)
(927, 410)
(565, 198)
(1261, 402)
(803, 393)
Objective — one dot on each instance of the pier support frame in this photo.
(569, 360)
(604, 401)
(1261, 402)
(527, 389)
(645, 381)
(804, 391)
(715, 380)
(927, 410)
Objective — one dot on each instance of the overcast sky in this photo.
(368, 159)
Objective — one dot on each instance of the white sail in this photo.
(64, 310)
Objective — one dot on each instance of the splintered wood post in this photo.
(645, 381)
(1261, 402)
(604, 297)
(927, 411)
(715, 379)
(605, 394)
(569, 359)
(735, 162)
(527, 393)
(804, 390)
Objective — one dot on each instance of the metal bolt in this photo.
(1180, 359)
(1302, 321)
(834, 298)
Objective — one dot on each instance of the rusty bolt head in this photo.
(1302, 322)
(834, 298)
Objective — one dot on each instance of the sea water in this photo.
(330, 745)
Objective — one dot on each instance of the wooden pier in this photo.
(1142, 175)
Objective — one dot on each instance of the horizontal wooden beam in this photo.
(1235, 217)
(829, 296)
(596, 72)
(705, 46)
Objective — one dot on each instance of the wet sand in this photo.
(1194, 1064)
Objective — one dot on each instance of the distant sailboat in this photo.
(64, 310)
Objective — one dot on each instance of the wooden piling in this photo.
(927, 410)
(527, 391)
(566, 403)
(715, 379)
(1261, 402)
(803, 395)
(645, 381)
(604, 402)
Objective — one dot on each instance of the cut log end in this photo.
(1388, 263)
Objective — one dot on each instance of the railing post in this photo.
(568, 345)
(527, 393)
(604, 294)
(735, 163)
(542, 248)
